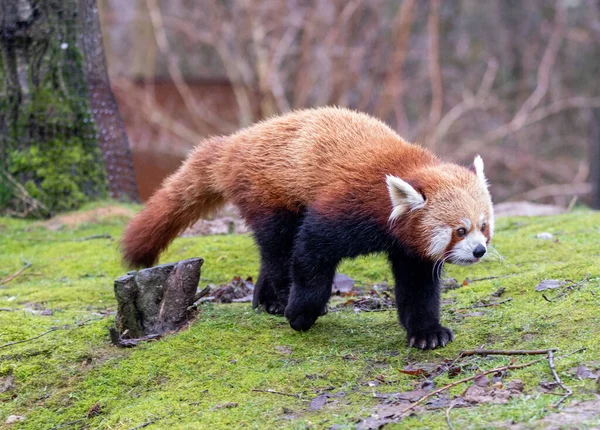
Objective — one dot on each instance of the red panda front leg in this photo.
(418, 301)
(313, 270)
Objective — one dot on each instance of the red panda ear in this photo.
(477, 167)
(403, 196)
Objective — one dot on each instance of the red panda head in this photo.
(443, 212)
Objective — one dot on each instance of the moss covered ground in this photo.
(220, 373)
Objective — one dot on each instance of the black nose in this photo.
(479, 251)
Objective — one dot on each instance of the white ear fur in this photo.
(478, 164)
(403, 196)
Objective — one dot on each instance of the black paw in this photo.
(300, 321)
(437, 337)
(274, 308)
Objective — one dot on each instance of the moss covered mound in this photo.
(236, 368)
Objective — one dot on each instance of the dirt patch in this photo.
(92, 216)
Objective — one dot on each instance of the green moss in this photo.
(230, 350)
(50, 143)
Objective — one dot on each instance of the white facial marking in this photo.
(481, 220)
(478, 164)
(440, 239)
(403, 196)
(467, 223)
(462, 253)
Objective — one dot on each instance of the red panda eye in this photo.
(461, 232)
(483, 226)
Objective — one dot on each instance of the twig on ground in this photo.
(121, 342)
(275, 392)
(487, 305)
(95, 236)
(486, 278)
(452, 404)
(567, 289)
(5, 310)
(68, 423)
(17, 273)
(470, 378)
(568, 391)
(469, 352)
(65, 327)
(145, 424)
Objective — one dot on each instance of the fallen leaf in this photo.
(342, 284)
(227, 405)
(544, 236)
(449, 284)
(549, 284)
(47, 312)
(7, 384)
(14, 419)
(283, 349)
(318, 402)
(498, 292)
(238, 290)
(481, 391)
(94, 410)
(583, 372)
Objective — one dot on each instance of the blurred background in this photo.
(515, 81)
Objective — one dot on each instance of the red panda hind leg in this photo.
(274, 235)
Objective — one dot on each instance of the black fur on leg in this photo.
(320, 245)
(274, 235)
(418, 300)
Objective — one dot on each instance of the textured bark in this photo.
(112, 138)
(156, 300)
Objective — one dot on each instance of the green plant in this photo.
(59, 173)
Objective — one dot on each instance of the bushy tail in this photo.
(185, 196)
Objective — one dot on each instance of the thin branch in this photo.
(393, 83)
(94, 236)
(487, 305)
(450, 426)
(462, 381)
(17, 273)
(65, 327)
(545, 67)
(485, 352)
(469, 102)
(555, 190)
(256, 390)
(435, 72)
(24, 197)
(569, 392)
(195, 108)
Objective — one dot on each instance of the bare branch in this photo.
(553, 190)
(393, 85)
(196, 109)
(469, 102)
(545, 67)
(435, 72)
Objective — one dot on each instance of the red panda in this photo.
(320, 185)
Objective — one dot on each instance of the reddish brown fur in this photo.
(331, 159)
